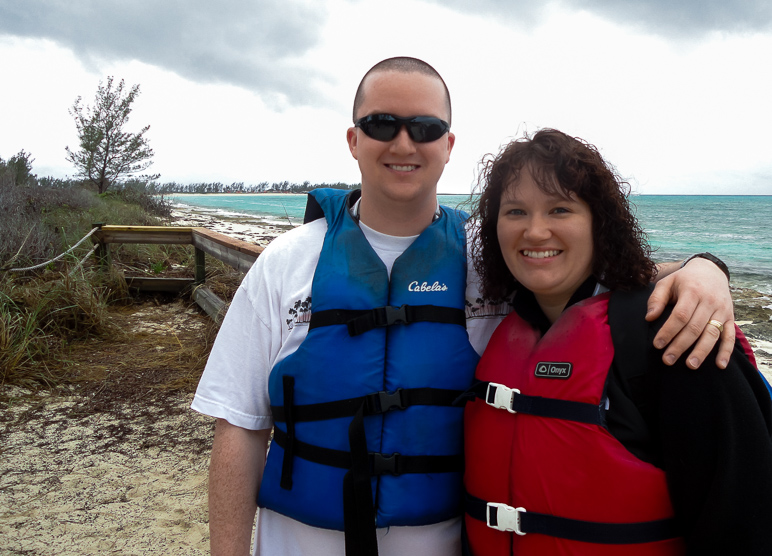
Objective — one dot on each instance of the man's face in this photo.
(401, 170)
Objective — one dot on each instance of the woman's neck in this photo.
(553, 305)
(552, 308)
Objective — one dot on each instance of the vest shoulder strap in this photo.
(630, 332)
(314, 210)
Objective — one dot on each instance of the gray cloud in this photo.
(252, 44)
(675, 17)
(670, 18)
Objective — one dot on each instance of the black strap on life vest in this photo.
(289, 446)
(378, 464)
(630, 332)
(537, 405)
(373, 404)
(574, 529)
(360, 321)
(358, 506)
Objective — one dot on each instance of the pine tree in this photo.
(107, 152)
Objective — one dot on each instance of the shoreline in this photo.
(249, 229)
(753, 309)
(235, 194)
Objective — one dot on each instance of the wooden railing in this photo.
(236, 253)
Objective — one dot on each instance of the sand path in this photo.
(72, 483)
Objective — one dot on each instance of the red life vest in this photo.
(562, 472)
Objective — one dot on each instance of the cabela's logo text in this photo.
(414, 286)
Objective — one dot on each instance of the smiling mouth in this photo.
(540, 254)
(402, 168)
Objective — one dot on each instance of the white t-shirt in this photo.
(267, 321)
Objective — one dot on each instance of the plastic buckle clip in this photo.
(383, 464)
(501, 397)
(376, 318)
(504, 518)
(393, 315)
(390, 400)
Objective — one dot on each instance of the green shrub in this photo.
(39, 222)
(43, 312)
(26, 231)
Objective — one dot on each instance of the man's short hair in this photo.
(402, 64)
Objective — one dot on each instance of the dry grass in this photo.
(38, 318)
(55, 326)
(162, 348)
(71, 328)
(155, 352)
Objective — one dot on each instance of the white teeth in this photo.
(402, 168)
(540, 254)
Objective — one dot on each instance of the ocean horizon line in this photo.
(475, 194)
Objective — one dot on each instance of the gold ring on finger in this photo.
(717, 324)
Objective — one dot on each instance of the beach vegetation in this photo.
(158, 267)
(47, 314)
(107, 152)
(202, 188)
(37, 222)
(38, 318)
(17, 170)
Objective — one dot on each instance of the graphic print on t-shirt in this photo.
(485, 308)
(300, 313)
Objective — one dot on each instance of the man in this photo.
(395, 240)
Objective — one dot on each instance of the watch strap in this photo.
(712, 258)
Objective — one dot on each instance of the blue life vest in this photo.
(370, 390)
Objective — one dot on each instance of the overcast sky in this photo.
(675, 94)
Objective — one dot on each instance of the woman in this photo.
(580, 440)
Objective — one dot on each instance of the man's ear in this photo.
(451, 142)
(351, 138)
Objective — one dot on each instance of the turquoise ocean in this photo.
(737, 229)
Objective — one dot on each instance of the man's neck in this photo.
(397, 219)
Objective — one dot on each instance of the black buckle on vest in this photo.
(386, 464)
(388, 315)
(389, 400)
(376, 318)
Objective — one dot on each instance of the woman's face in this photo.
(546, 240)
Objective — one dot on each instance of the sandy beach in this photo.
(78, 477)
(246, 229)
(109, 467)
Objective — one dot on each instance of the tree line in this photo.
(17, 170)
(241, 187)
(109, 157)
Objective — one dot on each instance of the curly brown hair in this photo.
(561, 164)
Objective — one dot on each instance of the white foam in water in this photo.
(677, 225)
(725, 225)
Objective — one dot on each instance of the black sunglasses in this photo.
(385, 127)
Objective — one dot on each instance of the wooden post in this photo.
(200, 267)
(210, 303)
(103, 251)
